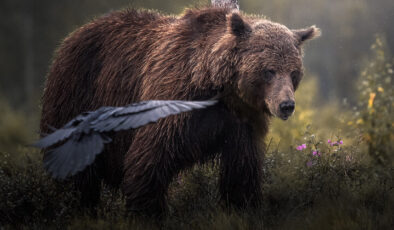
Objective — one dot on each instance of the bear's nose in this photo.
(287, 107)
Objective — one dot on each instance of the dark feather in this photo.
(137, 115)
(55, 137)
(84, 137)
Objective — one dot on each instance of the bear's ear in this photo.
(237, 26)
(307, 34)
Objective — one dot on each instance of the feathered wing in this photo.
(85, 137)
(55, 137)
(68, 130)
(137, 115)
(74, 155)
(80, 124)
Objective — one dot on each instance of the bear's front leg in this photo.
(148, 173)
(241, 169)
(88, 183)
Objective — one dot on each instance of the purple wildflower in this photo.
(309, 163)
(329, 141)
(301, 147)
(316, 153)
(341, 142)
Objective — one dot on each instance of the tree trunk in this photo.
(226, 3)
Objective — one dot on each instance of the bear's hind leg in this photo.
(148, 173)
(88, 183)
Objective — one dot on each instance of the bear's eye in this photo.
(269, 75)
(295, 78)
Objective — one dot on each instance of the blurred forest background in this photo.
(331, 163)
(31, 31)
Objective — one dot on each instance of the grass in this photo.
(334, 192)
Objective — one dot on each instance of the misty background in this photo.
(31, 30)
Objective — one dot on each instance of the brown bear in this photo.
(255, 65)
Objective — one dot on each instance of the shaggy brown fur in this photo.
(133, 55)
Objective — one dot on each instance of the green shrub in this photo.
(312, 181)
(374, 115)
(29, 197)
(13, 128)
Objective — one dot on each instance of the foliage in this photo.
(16, 133)
(374, 115)
(12, 128)
(30, 198)
(322, 178)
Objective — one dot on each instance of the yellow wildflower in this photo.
(371, 99)
(380, 89)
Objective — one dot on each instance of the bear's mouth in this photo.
(284, 117)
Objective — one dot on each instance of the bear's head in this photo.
(267, 62)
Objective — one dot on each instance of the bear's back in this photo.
(89, 70)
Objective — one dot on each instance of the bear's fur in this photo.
(135, 55)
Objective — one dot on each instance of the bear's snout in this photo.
(286, 109)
